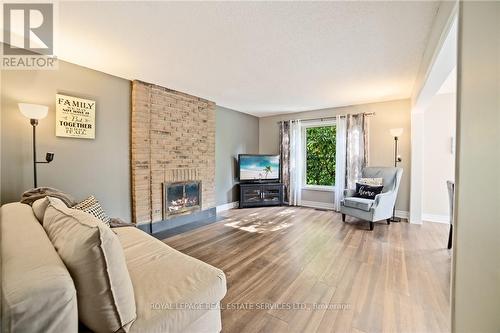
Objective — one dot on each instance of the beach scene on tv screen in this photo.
(259, 167)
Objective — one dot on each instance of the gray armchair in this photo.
(380, 208)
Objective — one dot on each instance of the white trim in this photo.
(436, 218)
(303, 138)
(227, 206)
(317, 204)
(416, 167)
(441, 63)
(402, 214)
(323, 188)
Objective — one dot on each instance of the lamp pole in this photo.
(396, 151)
(34, 123)
(396, 160)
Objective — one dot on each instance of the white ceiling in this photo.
(257, 57)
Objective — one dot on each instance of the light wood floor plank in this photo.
(340, 276)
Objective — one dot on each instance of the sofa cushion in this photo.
(358, 203)
(172, 290)
(95, 260)
(38, 294)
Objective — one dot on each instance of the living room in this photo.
(303, 166)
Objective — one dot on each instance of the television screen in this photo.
(259, 167)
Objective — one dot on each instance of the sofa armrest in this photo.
(349, 193)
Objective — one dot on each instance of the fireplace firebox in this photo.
(181, 198)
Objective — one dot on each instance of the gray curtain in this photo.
(356, 148)
(285, 157)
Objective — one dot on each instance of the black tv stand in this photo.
(261, 194)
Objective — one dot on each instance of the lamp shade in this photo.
(396, 132)
(33, 111)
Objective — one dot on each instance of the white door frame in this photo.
(444, 62)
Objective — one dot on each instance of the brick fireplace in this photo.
(173, 142)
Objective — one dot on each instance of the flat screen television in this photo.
(259, 168)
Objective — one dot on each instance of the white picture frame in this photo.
(75, 117)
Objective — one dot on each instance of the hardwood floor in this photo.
(392, 279)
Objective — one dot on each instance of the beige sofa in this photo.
(173, 292)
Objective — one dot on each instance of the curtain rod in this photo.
(328, 118)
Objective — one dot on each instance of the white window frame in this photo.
(305, 126)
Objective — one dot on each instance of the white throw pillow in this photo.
(371, 181)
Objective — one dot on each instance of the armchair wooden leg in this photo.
(371, 225)
(343, 217)
(388, 221)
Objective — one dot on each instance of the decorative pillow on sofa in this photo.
(92, 206)
(96, 262)
(367, 191)
(371, 181)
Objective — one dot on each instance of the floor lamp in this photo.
(35, 112)
(396, 133)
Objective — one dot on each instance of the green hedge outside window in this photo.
(320, 155)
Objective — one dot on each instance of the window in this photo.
(319, 150)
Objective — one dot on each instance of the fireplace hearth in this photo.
(181, 198)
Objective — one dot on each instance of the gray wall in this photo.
(389, 115)
(81, 167)
(102, 166)
(476, 283)
(235, 133)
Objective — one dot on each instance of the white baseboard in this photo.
(228, 206)
(402, 214)
(317, 204)
(329, 206)
(436, 218)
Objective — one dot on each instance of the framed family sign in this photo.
(75, 117)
